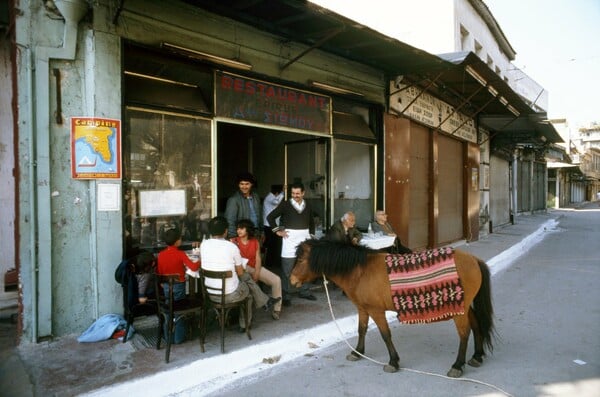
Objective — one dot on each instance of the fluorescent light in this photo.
(146, 76)
(513, 110)
(207, 57)
(492, 90)
(476, 75)
(332, 88)
(503, 100)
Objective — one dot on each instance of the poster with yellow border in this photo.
(95, 148)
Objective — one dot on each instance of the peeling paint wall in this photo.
(8, 299)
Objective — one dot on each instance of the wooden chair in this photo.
(216, 296)
(169, 310)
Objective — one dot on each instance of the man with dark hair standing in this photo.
(244, 204)
(296, 224)
(272, 244)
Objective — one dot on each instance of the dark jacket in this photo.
(238, 207)
(338, 233)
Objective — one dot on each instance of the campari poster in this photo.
(95, 148)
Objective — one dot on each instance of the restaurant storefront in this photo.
(187, 137)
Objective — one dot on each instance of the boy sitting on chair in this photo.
(173, 261)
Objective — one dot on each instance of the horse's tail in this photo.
(482, 306)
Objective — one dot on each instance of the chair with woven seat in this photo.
(217, 298)
(170, 310)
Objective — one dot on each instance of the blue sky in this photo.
(557, 44)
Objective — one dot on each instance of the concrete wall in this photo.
(8, 299)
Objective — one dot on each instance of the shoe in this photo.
(270, 303)
(242, 330)
(275, 315)
(310, 297)
(287, 302)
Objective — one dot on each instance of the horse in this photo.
(362, 274)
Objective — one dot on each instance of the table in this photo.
(377, 242)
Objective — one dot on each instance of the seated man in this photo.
(345, 230)
(219, 254)
(382, 225)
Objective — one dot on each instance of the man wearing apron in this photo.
(296, 224)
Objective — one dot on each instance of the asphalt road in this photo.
(547, 320)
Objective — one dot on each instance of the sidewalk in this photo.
(64, 367)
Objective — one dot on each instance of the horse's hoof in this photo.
(352, 357)
(454, 373)
(474, 363)
(390, 369)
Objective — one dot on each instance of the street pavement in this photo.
(305, 335)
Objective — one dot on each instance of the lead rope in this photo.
(325, 282)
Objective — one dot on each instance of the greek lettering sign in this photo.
(431, 111)
(256, 101)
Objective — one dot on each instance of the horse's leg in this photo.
(477, 358)
(363, 322)
(386, 334)
(464, 329)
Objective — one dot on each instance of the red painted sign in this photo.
(256, 101)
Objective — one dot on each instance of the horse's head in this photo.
(302, 273)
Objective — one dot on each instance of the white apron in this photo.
(289, 243)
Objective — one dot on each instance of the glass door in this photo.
(353, 180)
(306, 161)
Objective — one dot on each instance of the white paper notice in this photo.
(109, 197)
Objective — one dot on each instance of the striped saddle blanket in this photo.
(425, 286)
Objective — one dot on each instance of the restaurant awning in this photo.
(460, 79)
(319, 28)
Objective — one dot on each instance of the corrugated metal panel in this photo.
(419, 186)
(397, 175)
(450, 187)
(499, 191)
(539, 183)
(523, 186)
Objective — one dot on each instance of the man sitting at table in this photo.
(381, 225)
(345, 230)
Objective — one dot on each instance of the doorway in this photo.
(273, 157)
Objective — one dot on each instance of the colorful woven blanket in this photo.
(425, 286)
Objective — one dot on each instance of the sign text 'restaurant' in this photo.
(260, 102)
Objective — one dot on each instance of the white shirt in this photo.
(220, 255)
(269, 204)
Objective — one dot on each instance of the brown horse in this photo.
(362, 275)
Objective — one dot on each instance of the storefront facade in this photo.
(137, 116)
(143, 116)
(432, 169)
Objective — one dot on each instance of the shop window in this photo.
(167, 177)
(353, 181)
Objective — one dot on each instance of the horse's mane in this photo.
(333, 257)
